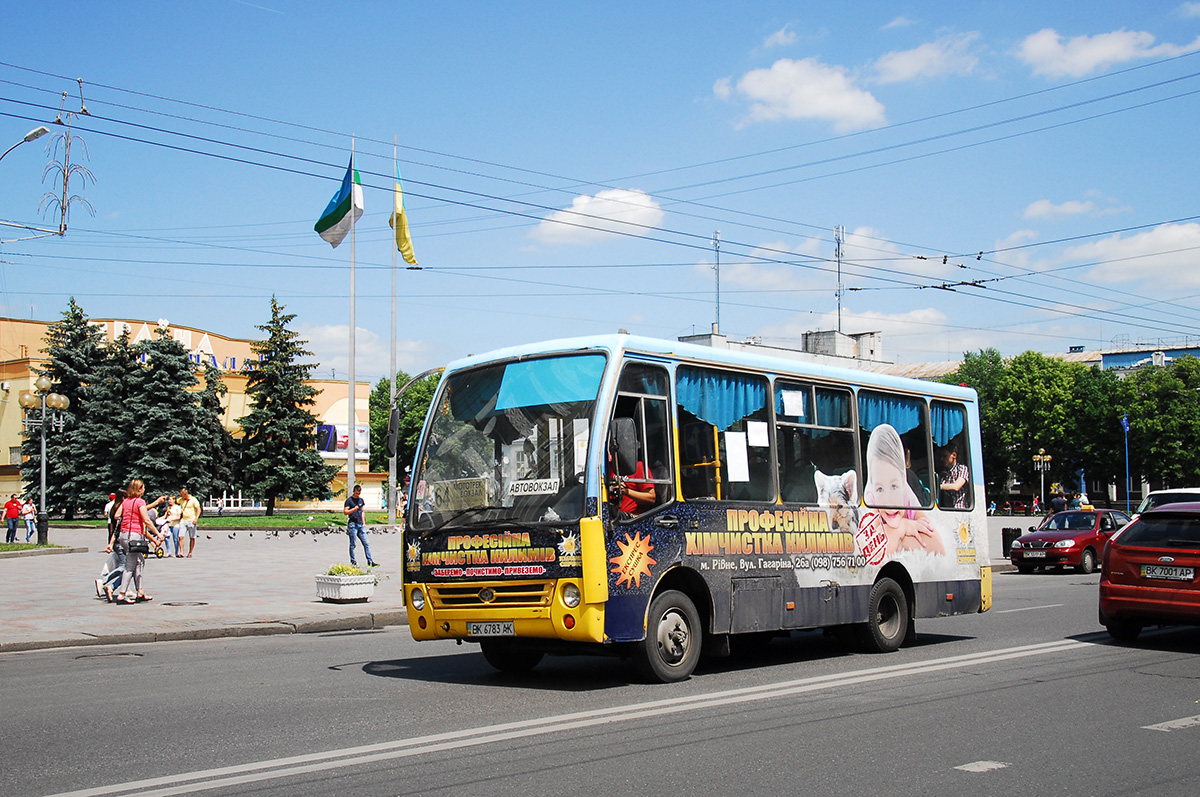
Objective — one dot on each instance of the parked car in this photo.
(1176, 495)
(1150, 572)
(1074, 537)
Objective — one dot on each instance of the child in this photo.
(887, 489)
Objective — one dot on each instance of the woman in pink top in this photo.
(133, 520)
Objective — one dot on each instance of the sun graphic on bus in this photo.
(634, 561)
(964, 533)
(568, 545)
(414, 551)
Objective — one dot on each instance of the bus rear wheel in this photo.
(671, 648)
(887, 618)
(507, 657)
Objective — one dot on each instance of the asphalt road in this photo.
(1029, 698)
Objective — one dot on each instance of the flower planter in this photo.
(345, 589)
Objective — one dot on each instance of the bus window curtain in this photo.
(947, 422)
(903, 415)
(833, 408)
(718, 398)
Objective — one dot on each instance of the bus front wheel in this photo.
(887, 618)
(507, 657)
(673, 636)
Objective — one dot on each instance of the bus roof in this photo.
(691, 352)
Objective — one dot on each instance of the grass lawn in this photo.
(314, 520)
(5, 547)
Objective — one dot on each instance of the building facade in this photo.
(21, 358)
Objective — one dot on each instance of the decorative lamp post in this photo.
(32, 135)
(1041, 463)
(30, 401)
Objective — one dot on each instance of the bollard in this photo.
(1006, 539)
(43, 528)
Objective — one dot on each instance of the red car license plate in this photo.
(1168, 572)
(1035, 554)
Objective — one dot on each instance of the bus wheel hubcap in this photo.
(673, 637)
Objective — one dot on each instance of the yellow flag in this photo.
(399, 223)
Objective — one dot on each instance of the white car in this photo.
(1176, 495)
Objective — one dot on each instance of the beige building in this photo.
(21, 354)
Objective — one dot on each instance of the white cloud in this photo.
(1049, 55)
(723, 88)
(330, 345)
(898, 22)
(949, 55)
(1044, 209)
(781, 37)
(1189, 10)
(1167, 254)
(806, 89)
(590, 217)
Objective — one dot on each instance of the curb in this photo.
(40, 552)
(359, 622)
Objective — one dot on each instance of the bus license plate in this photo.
(504, 628)
(1035, 554)
(1167, 572)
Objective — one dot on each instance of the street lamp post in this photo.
(32, 135)
(1041, 463)
(30, 401)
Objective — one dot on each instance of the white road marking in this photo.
(221, 777)
(1174, 725)
(1029, 608)
(982, 766)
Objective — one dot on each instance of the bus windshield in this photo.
(509, 442)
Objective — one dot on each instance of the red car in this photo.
(1075, 537)
(1150, 572)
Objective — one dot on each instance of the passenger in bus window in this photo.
(953, 479)
(907, 527)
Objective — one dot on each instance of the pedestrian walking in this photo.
(174, 516)
(189, 517)
(29, 515)
(137, 531)
(353, 510)
(12, 513)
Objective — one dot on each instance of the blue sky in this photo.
(1045, 152)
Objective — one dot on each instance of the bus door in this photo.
(642, 532)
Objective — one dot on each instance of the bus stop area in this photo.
(236, 584)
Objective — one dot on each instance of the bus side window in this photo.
(895, 439)
(725, 437)
(948, 424)
(813, 436)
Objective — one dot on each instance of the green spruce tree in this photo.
(73, 352)
(108, 427)
(279, 458)
(168, 453)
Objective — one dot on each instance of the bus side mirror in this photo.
(393, 432)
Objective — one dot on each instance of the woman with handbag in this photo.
(136, 532)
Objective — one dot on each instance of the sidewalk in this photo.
(250, 584)
(247, 585)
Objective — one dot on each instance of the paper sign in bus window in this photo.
(757, 434)
(793, 403)
(735, 453)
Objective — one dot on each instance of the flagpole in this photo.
(353, 427)
(391, 488)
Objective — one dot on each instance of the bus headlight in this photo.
(571, 596)
(418, 599)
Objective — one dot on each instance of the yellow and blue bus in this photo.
(654, 499)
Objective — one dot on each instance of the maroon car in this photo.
(1150, 572)
(1075, 537)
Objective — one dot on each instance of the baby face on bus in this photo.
(887, 489)
(907, 527)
